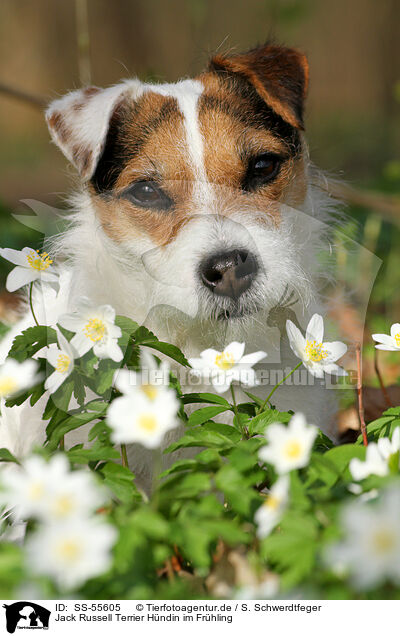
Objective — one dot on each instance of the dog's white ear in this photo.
(79, 122)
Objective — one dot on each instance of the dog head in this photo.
(196, 186)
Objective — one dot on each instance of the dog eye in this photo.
(261, 170)
(147, 194)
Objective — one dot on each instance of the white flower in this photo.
(222, 367)
(31, 266)
(268, 588)
(270, 512)
(49, 491)
(22, 428)
(152, 380)
(317, 356)
(388, 343)
(289, 447)
(60, 357)
(143, 417)
(377, 457)
(15, 376)
(95, 329)
(71, 552)
(370, 550)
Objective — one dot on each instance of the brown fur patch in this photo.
(235, 127)
(56, 123)
(279, 75)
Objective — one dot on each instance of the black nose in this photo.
(229, 274)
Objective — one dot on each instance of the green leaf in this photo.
(241, 497)
(257, 400)
(31, 340)
(293, 548)
(203, 415)
(340, 456)
(210, 435)
(97, 452)
(147, 338)
(380, 428)
(185, 486)
(259, 424)
(321, 469)
(119, 480)
(79, 389)
(126, 325)
(205, 398)
(69, 424)
(151, 523)
(100, 430)
(6, 456)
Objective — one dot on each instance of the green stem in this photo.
(31, 304)
(124, 456)
(264, 404)
(235, 408)
(155, 478)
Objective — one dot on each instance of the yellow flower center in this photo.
(69, 550)
(36, 491)
(225, 361)
(272, 502)
(150, 391)
(63, 505)
(397, 339)
(37, 261)
(63, 363)
(293, 449)
(315, 351)
(148, 422)
(95, 329)
(383, 541)
(8, 385)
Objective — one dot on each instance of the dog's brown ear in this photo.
(79, 122)
(279, 75)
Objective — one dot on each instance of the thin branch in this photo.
(387, 205)
(15, 93)
(83, 42)
(360, 397)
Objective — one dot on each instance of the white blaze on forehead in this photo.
(187, 93)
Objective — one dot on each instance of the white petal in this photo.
(54, 381)
(108, 312)
(208, 355)
(125, 381)
(383, 338)
(221, 385)
(81, 343)
(20, 276)
(395, 329)
(48, 276)
(114, 351)
(52, 354)
(296, 339)
(396, 439)
(315, 329)
(236, 350)
(16, 257)
(315, 369)
(71, 322)
(253, 358)
(335, 349)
